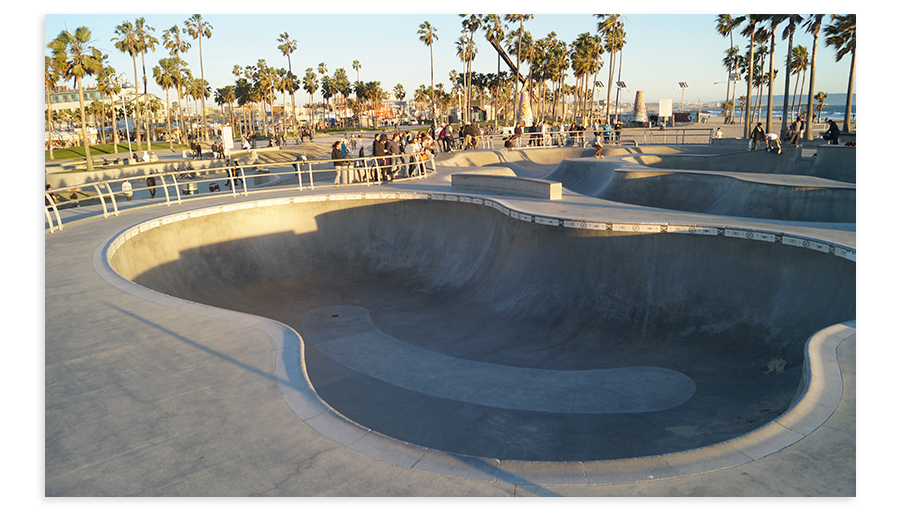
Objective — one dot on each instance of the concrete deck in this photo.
(151, 395)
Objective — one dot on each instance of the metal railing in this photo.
(571, 138)
(180, 185)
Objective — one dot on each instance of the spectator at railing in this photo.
(53, 197)
(340, 166)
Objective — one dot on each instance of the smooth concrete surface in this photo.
(149, 394)
(754, 195)
(539, 188)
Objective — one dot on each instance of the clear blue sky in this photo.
(661, 50)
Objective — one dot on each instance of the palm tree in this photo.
(725, 25)
(615, 42)
(129, 42)
(750, 32)
(164, 75)
(310, 85)
(176, 45)
(820, 104)
(793, 20)
(399, 93)
(799, 64)
(774, 20)
(107, 83)
(606, 27)
(148, 42)
(428, 35)
(356, 66)
(73, 58)
(470, 23)
(521, 19)
(813, 25)
(199, 29)
(841, 35)
(465, 50)
(494, 30)
(287, 47)
(51, 76)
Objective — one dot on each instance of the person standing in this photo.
(796, 131)
(127, 190)
(151, 183)
(757, 136)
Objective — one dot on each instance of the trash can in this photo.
(189, 189)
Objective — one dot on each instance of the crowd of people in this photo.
(398, 155)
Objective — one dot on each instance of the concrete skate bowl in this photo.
(456, 327)
(768, 196)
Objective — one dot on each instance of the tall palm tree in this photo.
(74, 57)
(287, 47)
(148, 43)
(725, 25)
(176, 46)
(799, 64)
(615, 43)
(750, 32)
(465, 50)
(841, 35)
(813, 26)
(428, 35)
(774, 20)
(470, 23)
(494, 30)
(606, 25)
(310, 85)
(793, 20)
(129, 42)
(51, 76)
(199, 29)
(164, 75)
(520, 19)
(107, 83)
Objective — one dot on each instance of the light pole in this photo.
(683, 86)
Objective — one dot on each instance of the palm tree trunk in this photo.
(849, 105)
(49, 125)
(787, 85)
(812, 84)
(147, 117)
(749, 82)
(135, 119)
(771, 83)
(84, 129)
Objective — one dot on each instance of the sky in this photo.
(661, 50)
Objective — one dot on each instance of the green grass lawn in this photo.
(63, 154)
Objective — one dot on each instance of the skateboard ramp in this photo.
(454, 327)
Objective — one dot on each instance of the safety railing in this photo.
(180, 185)
(584, 138)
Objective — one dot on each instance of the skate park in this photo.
(670, 325)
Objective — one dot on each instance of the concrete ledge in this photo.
(504, 184)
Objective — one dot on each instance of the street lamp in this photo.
(619, 87)
(683, 86)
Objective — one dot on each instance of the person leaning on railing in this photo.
(340, 166)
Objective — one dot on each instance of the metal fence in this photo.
(187, 184)
(585, 138)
